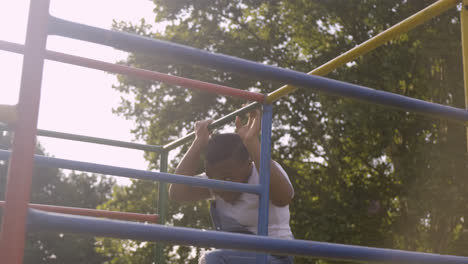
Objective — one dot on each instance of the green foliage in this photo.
(363, 174)
(52, 187)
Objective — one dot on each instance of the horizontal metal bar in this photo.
(217, 123)
(43, 221)
(138, 174)
(404, 26)
(95, 140)
(141, 73)
(93, 212)
(176, 52)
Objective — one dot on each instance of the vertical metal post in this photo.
(162, 207)
(12, 237)
(464, 38)
(265, 160)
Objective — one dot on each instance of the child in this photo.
(235, 157)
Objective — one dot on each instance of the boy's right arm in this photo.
(189, 165)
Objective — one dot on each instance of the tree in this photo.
(52, 187)
(363, 174)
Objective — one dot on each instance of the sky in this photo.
(74, 99)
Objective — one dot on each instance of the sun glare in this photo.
(75, 99)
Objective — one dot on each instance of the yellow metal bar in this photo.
(464, 37)
(402, 27)
(8, 114)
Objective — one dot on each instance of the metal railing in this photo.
(19, 214)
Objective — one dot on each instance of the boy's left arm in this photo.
(281, 190)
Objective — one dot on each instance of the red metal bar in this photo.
(20, 169)
(93, 212)
(141, 73)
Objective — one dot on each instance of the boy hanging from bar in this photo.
(235, 157)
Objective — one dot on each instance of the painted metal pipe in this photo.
(44, 221)
(88, 139)
(176, 52)
(265, 162)
(20, 169)
(138, 174)
(93, 212)
(404, 26)
(141, 73)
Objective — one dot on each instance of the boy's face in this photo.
(229, 170)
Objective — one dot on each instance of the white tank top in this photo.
(245, 210)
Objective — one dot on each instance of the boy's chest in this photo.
(245, 210)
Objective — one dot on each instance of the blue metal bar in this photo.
(45, 221)
(139, 174)
(88, 139)
(265, 162)
(176, 52)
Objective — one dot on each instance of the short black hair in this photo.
(225, 146)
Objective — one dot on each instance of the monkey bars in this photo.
(22, 121)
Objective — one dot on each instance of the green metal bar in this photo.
(162, 206)
(217, 123)
(464, 38)
(96, 140)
